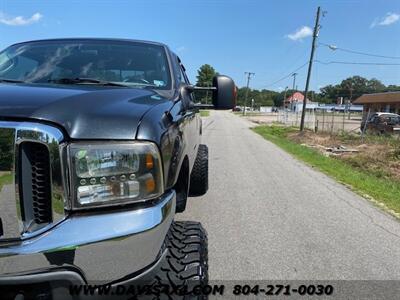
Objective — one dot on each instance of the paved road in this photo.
(269, 216)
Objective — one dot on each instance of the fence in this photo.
(293, 119)
(332, 122)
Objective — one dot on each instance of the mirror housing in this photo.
(224, 92)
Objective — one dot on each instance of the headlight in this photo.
(114, 173)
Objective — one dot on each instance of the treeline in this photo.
(350, 89)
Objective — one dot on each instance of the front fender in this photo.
(166, 131)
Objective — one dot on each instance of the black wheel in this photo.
(199, 175)
(186, 263)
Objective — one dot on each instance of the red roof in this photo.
(297, 96)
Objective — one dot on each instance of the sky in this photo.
(270, 38)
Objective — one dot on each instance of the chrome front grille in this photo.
(32, 196)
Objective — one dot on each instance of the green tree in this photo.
(392, 88)
(375, 86)
(329, 92)
(269, 102)
(261, 98)
(241, 94)
(205, 75)
(351, 88)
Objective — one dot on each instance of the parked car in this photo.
(236, 108)
(101, 141)
(382, 123)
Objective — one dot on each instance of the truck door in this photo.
(192, 119)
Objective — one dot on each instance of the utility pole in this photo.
(350, 86)
(351, 97)
(293, 90)
(249, 74)
(294, 81)
(315, 35)
(284, 97)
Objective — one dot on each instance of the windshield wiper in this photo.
(11, 80)
(85, 80)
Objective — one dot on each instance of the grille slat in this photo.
(36, 162)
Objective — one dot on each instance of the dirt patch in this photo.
(379, 155)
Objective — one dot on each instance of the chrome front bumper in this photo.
(104, 247)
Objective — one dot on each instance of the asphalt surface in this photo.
(269, 216)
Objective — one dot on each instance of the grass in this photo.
(365, 183)
(378, 155)
(5, 179)
(204, 113)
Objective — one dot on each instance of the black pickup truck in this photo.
(100, 146)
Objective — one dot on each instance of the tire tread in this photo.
(199, 175)
(186, 263)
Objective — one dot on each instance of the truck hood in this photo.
(85, 112)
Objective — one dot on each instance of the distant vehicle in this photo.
(382, 123)
(236, 108)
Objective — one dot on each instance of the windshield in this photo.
(129, 63)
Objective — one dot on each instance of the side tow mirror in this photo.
(224, 94)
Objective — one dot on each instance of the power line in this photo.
(356, 63)
(287, 76)
(340, 62)
(334, 48)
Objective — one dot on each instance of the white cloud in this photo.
(300, 33)
(19, 20)
(387, 20)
